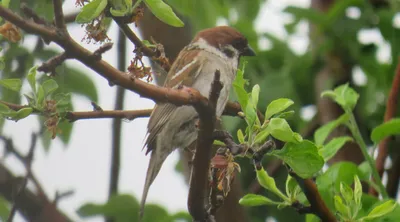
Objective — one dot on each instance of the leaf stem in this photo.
(358, 138)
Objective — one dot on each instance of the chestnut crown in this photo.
(222, 36)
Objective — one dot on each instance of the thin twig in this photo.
(62, 195)
(50, 65)
(391, 106)
(117, 114)
(70, 18)
(59, 14)
(134, 39)
(201, 161)
(317, 205)
(101, 50)
(231, 109)
(392, 186)
(117, 123)
(28, 165)
(10, 148)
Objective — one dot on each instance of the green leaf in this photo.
(148, 43)
(65, 131)
(164, 12)
(238, 86)
(155, 213)
(77, 82)
(240, 136)
(250, 115)
(49, 86)
(277, 106)
(5, 3)
(292, 188)
(40, 97)
(312, 218)
(344, 95)
(11, 84)
(343, 209)
(46, 139)
(365, 169)
(2, 62)
(218, 143)
(90, 11)
(280, 129)
(181, 216)
(333, 146)
(253, 200)
(268, 183)
(386, 129)
(4, 109)
(261, 136)
(302, 157)
(22, 113)
(357, 191)
(381, 210)
(265, 180)
(122, 8)
(4, 209)
(119, 207)
(329, 182)
(323, 132)
(286, 114)
(346, 192)
(255, 92)
(32, 78)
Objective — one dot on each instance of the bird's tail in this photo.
(156, 161)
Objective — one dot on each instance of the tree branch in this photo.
(317, 205)
(117, 123)
(70, 18)
(58, 14)
(32, 207)
(156, 93)
(201, 161)
(391, 106)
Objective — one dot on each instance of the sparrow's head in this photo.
(226, 39)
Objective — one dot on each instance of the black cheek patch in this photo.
(228, 52)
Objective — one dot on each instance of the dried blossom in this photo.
(80, 3)
(97, 31)
(225, 166)
(137, 15)
(137, 68)
(51, 125)
(10, 32)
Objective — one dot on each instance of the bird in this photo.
(170, 126)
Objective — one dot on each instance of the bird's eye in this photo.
(229, 51)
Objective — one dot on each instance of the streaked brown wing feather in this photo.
(162, 112)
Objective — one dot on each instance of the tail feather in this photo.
(156, 161)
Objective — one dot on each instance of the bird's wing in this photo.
(181, 73)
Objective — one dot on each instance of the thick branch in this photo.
(159, 94)
(201, 162)
(391, 105)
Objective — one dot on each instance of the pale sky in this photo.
(84, 165)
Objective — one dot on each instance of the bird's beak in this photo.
(248, 51)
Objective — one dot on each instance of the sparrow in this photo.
(171, 126)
